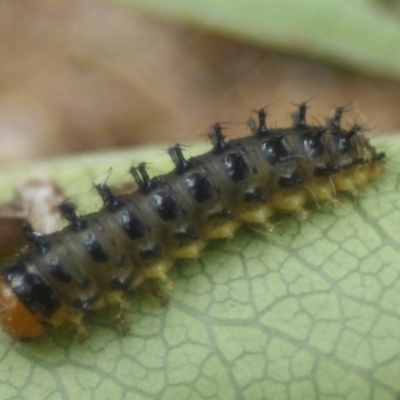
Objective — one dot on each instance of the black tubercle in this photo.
(359, 161)
(254, 194)
(224, 214)
(324, 169)
(142, 178)
(94, 248)
(291, 180)
(236, 167)
(276, 150)
(122, 282)
(300, 116)
(59, 270)
(181, 164)
(335, 121)
(185, 234)
(35, 238)
(218, 139)
(379, 156)
(68, 211)
(312, 144)
(150, 252)
(344, 139)
(199, 186)
(132, 225)
(262, 130)
(353, 131)
(85, 301)
(165, 205)
(110, 201)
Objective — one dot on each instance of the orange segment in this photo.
(17, 320)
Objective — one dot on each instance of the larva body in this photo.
(91, 263)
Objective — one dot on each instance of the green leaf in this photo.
(355, 34)
(309, 312)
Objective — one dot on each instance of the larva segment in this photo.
(18, 320)
(135, 238)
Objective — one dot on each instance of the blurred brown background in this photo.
(82, 75)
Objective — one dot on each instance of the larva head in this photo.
(17, 320)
